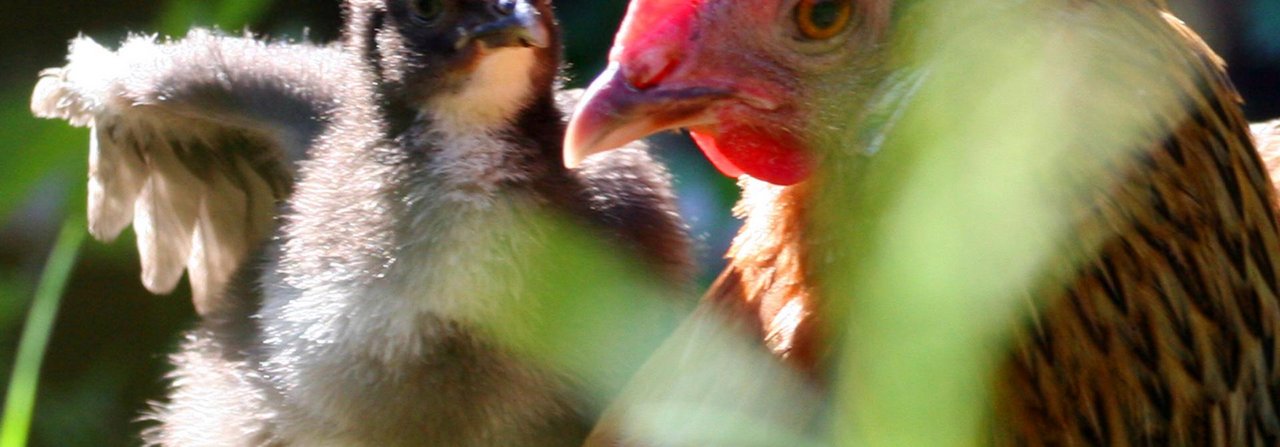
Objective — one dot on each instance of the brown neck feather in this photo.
(766, 281)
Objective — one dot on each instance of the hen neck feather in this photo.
(768, 276)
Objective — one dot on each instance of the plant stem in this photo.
(19, 403)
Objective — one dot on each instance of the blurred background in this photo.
(107, 353)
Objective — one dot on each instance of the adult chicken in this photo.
(1163, 332)
(352, 217)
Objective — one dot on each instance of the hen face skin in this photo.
(744, 76)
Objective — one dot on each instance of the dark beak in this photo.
(518, 25)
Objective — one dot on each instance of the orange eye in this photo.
(823, 19)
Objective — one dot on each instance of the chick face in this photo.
(481, 57)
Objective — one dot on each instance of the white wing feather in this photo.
(195, 201)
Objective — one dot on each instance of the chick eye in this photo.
(428, 10)
(503, 7)
(823, 19)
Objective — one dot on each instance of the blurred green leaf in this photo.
(596, 314)
(180, 15)
(236, 14)
(711, 383)
(228, 15)
(12, 288)
(34, 149)
(79, 413)
(590, 311)
(972, 206)
(21, 396)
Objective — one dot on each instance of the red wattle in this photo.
(777, 159)
(707, 142)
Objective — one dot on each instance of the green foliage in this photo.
(34, 150)
(964, 214)
(180, 15)
(20, 398)
(972, 203)
(665, 375)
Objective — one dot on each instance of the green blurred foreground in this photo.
(945, 219)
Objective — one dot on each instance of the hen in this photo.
(1162, 332)
(353, 217)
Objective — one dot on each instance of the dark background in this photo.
(108, 351)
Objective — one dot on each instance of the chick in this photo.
(349, 217)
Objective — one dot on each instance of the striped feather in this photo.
(116, 176)
(1166, 333)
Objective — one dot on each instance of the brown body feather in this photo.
(1165, 335)
(1165, 332)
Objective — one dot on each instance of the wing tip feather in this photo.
(78, 91)
(137, 178)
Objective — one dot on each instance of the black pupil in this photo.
(429, 9)
(825, 13)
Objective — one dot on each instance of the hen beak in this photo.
(520, 26)
(613, 112)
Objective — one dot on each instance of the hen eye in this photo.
(823, 19)
(427, 10)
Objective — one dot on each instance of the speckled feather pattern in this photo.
(1166, 335)
(1166, 332)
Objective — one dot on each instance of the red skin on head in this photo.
(647, 35)
(736, 150)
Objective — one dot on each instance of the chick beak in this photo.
(519, 25)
